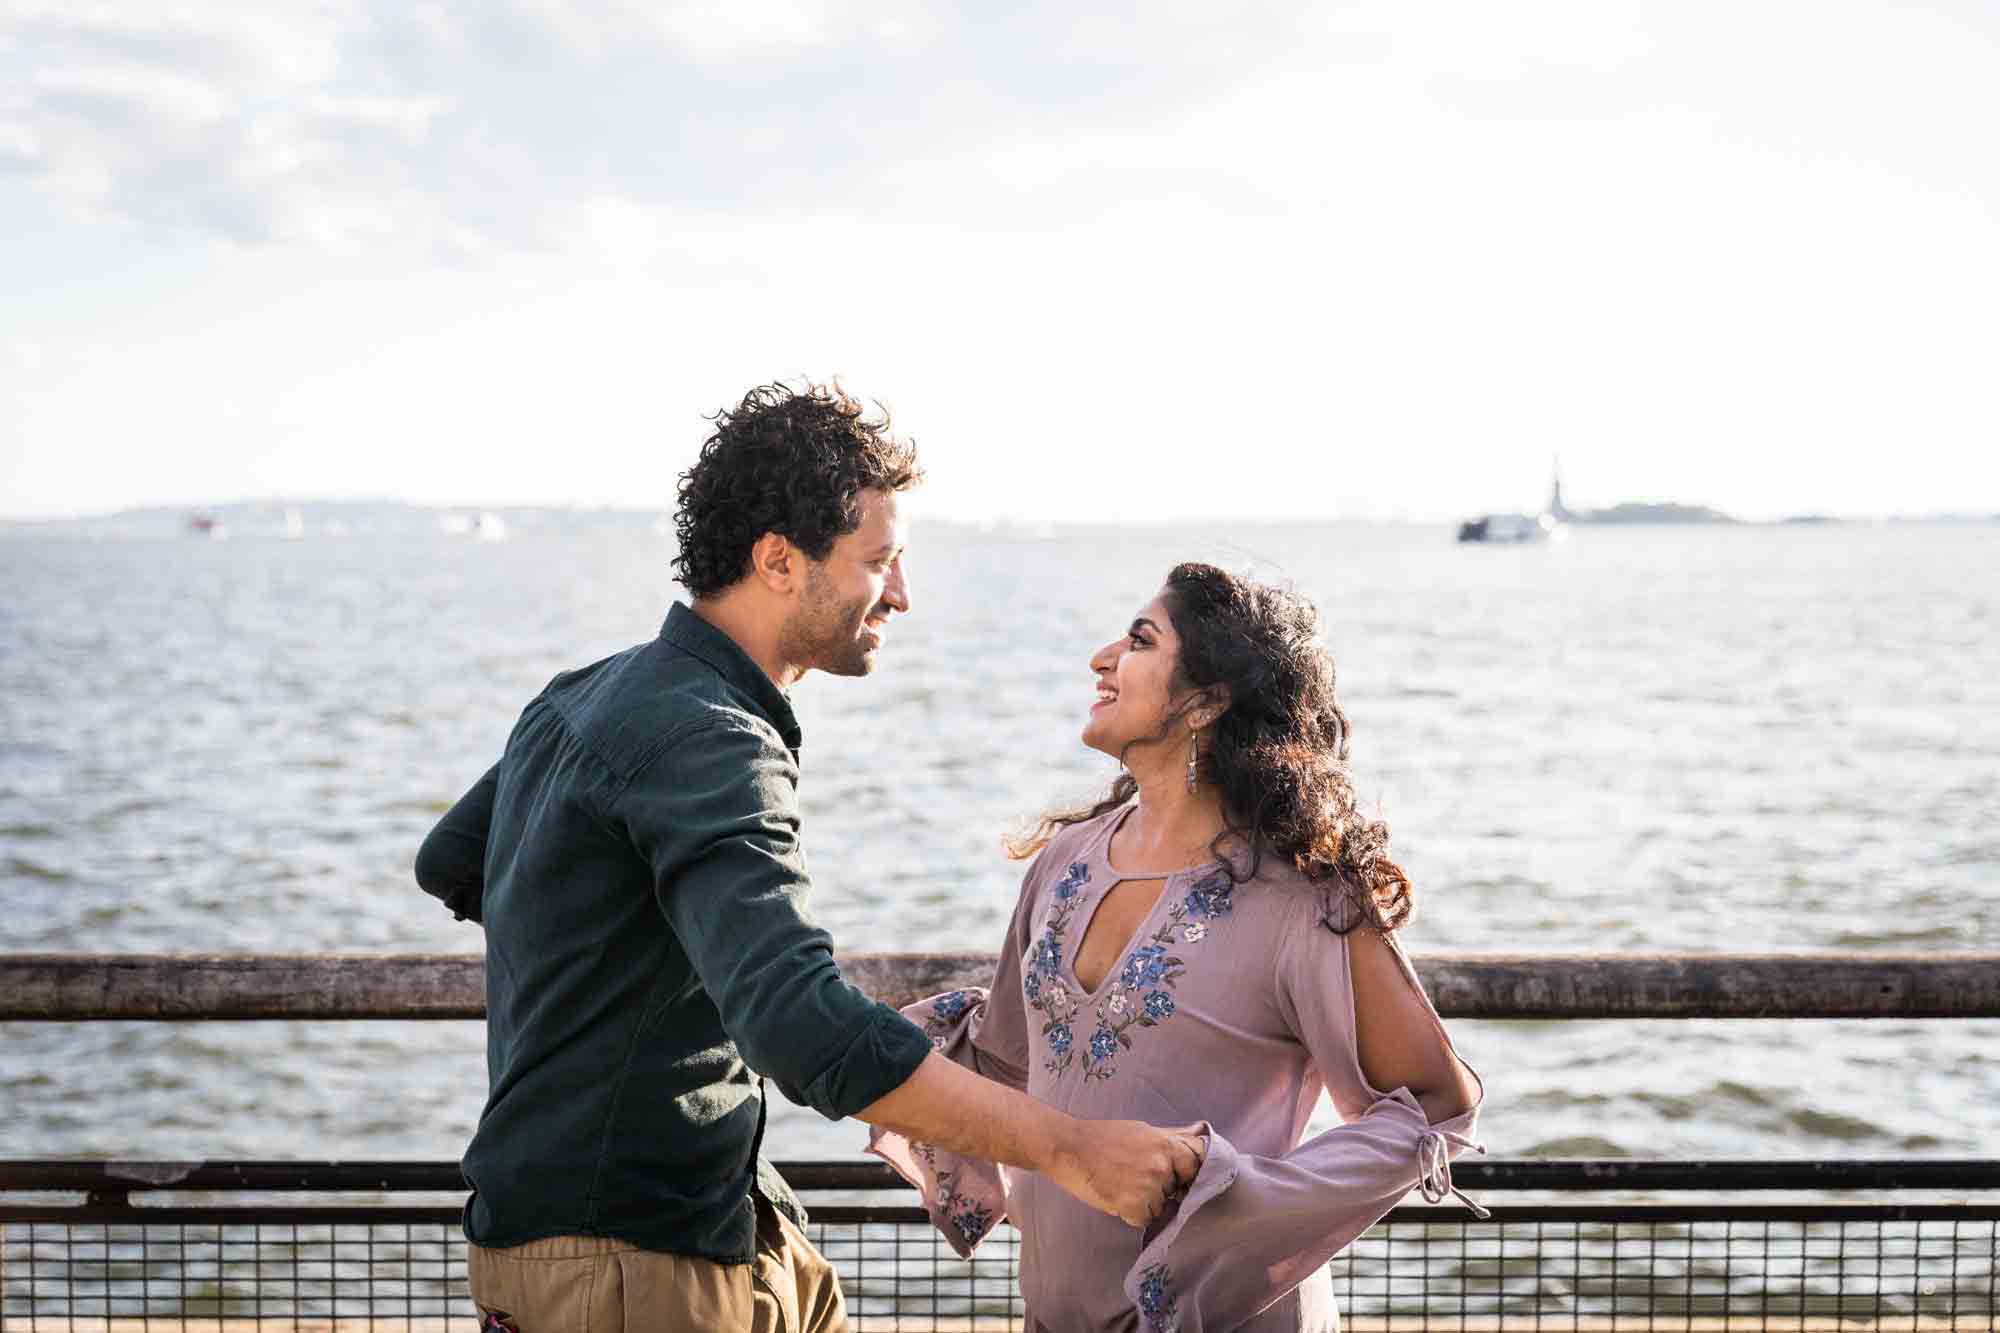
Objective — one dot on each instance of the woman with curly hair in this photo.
(1213, 941)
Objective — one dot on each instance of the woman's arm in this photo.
(1251, 1228)
(985, 1032)
(1400, 1042)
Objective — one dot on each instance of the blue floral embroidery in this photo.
(1048, 952)
(946, 1011)
(1151, 969)
(1139, 995)
(970, 1219)
(1211, 898)
(1156, 1300)
(973, 1220)
(1041, 979)
(1146, 966)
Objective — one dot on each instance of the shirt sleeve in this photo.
(451, 863)
(716, 816)
(1252, 1228)
(986, 1031)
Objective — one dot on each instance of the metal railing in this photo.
(319, 1245)
(161, 1241)
(67, 988)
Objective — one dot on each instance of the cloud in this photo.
(461, 126)
(20, 147)
(703, 29)
(129, 96)
(1614, 228)
(437, 125)
(216, 118)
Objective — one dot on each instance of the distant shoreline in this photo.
(379, 518)
(1644, 512)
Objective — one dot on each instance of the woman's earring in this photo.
(1194, 760)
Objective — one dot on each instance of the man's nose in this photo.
(896, 592)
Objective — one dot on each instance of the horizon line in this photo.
(282, 502)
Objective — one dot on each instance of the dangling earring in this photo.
(1194, 761)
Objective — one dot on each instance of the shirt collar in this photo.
(690, 633)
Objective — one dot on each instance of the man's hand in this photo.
(1123, 1167)
(1126, 1167)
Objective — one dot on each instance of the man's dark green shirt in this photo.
(635, 860)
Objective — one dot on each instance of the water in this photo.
(1641, 739)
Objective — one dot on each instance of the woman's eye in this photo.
(1136, 641)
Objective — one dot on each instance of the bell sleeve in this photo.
(986, 1031)
(1250, 1228)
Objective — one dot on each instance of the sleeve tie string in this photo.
(1434, 1168)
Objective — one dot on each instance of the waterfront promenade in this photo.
(1621, 1243)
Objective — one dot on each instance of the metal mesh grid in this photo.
(1722, 1273)
(405, 1270)
(193, 1274)
(898, 1275)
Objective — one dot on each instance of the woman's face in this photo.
(1134, 682)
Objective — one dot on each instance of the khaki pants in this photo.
(591, 1284)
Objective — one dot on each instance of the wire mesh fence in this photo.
(1849, 1267)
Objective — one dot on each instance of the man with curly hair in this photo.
(635, 859)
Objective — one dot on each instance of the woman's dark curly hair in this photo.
(793, 462)
(1278, 754)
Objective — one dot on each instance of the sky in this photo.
(1104, 263)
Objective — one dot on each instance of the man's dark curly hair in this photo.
(1278, 756)
(789, 461)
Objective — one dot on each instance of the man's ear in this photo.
(777, 564)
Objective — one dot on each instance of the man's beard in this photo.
(825, 633)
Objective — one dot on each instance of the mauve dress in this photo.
(1232, 1005)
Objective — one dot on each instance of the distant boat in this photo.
(485, 526)
(206, 525)
(1508, 528)
(1519, 528)
(295, 523)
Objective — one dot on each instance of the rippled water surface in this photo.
(1640, 739)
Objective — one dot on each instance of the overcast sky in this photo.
(1127, 262)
